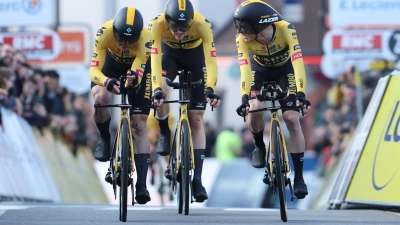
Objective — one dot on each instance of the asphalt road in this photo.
(39, 214)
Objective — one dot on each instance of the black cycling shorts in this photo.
(142, 97)
(189, 60)
(281, 75)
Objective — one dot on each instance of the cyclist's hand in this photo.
(131, 76)
(301, 97)
(212, 98)
(158, 97)
(244, 108)
(112, 85)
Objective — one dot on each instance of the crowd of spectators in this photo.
(37, 96)
(338, 114)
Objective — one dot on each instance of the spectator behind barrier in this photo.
(34, 111)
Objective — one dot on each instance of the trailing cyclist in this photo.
(122, 46)
(182, 38)
(275, 56)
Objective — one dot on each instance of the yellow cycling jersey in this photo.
(283, 47)
(199, 32)
(105, 43)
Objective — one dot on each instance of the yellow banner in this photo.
(377, 176)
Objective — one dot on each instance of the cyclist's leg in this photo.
(255, 120)
(170, 68)
(100, 94)
(139, 129)
(295, 142)
(196, 64)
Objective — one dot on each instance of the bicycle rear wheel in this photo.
(279, 170)
(124, 171)
(184, 169)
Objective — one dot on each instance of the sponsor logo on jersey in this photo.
(213, 44)
(154, 51)
(143, 66)
(243, 62)
(297, 56)
(94, 55)
(292, 83)
(148, 86)
(290, 26)
(240, 55)
(272, 48)
(296, 47)
(213, 54)
(139, 73)
(148, 44)
(254, 93)
(94, 63)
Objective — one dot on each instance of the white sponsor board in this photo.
(37, 45)
(357, 47)
(28, 13)
(358, 44)
(364, 13)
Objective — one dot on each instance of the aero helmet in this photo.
(127, 25)
(253, 16)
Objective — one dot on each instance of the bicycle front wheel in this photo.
(124, 170)
(280, 169)
(185, 166)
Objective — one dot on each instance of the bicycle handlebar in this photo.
(272, 92)
(184, 83)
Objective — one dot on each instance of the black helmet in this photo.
(254, 16)
(180, 12)
(127, 25)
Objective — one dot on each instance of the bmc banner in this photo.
(27, 13)
(377, 176)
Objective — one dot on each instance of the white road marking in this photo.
(251, 209)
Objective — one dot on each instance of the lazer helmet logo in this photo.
(182, 15)
(268, 20)
(128, 30)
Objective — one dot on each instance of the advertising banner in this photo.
(364, 14)
(28, 13)
(378, 170)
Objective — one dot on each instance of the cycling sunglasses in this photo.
(243, 27)
(127, 40)
(175, 27)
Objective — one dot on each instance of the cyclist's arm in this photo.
(245, 67)
(98, 59)
(156, 65)
(297, 58)
(142, 52)
(209, 54)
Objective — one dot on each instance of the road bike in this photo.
(181, 162)
(277, 169)
(122, 163)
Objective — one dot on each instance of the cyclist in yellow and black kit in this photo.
(183, 39)
(268, 50)
(122, 46)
